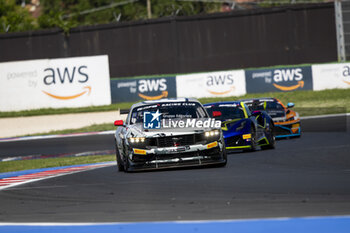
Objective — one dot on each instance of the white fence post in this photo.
(340, 30)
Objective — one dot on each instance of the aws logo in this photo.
(66, 76)
(215, 82)
(152, 85)
(346, 75)
(287, 75)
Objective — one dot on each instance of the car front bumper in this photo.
(284, 130)
(238, 141)
(193, 155)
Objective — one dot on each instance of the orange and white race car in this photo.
(287, 121)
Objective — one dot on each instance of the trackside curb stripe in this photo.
(55, 136)
(46, 174)
(32, 171)
(29, 157)
(286, 225)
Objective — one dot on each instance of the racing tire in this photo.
(119, 160)
(223, 164)
(271, 145)
(271, 140)
(126, 165)
(253, 140)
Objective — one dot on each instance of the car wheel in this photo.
(224, 156)
(126, 164)
(253, 139)
(271, 140)
(119, 160)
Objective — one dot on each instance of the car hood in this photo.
(276, 114)
(137, 130)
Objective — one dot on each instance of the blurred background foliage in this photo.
(26, 15)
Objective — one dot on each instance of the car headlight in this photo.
(290, 119)
(241, 126)
(137, 140)
(212, 133)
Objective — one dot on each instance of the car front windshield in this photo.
(169, 110)
(264, 105)
(228, 111)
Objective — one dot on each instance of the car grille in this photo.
(213, 153)
(178, 140)
(235, 141)
(282, 131)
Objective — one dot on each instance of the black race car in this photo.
(166, 133)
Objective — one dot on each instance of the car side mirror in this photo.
(255, 113)
(216, 113)
(119, 123)
(290, 105)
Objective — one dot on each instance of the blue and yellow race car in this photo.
(243, 129)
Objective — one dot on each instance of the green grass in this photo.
(53, 111)
(306, 102)
(91, 128)
(334, 97)
(21, 165)
(302, 99)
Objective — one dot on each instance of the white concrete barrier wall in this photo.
(213, 84)
(331, 76)
(55, 83)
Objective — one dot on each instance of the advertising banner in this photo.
(54, 83)
(135, 89)
(279, 79)
(330, 76)
(213, 84)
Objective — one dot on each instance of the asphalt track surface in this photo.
(87, 143)
(307, 176)
(57, 146)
